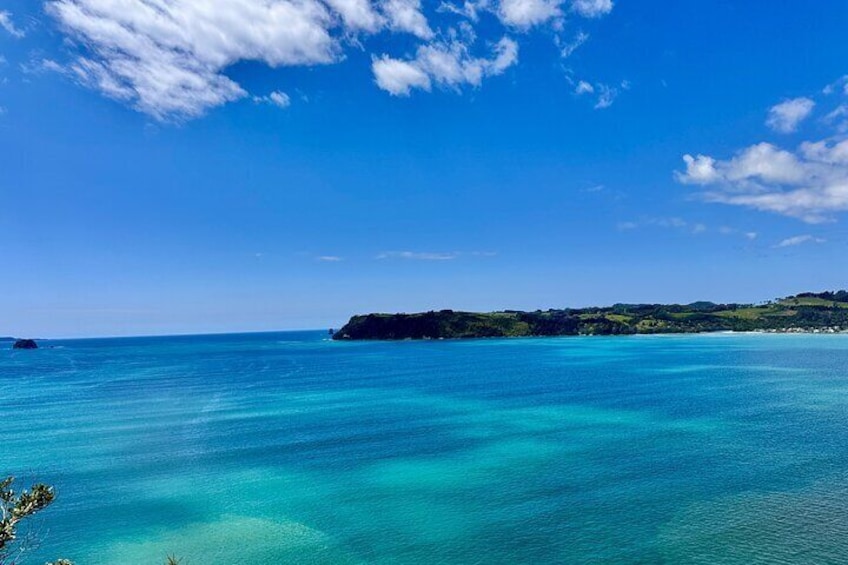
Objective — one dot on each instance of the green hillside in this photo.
(821, 312)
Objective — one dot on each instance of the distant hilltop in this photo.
(824, 312)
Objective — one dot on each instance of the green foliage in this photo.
(827, 311)
(16, 507)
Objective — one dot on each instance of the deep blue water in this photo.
(288, 448)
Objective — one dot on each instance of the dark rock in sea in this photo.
(25, 344)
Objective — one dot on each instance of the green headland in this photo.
(823, 312)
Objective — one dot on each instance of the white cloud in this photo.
(276, 98)
(329, 258)
(406, 15)
(527, 13)
(420, 256)
(592, 8)
(281, 99)
(358, 14)
(606, 96)
(799, 240)
(584, 87)
(682, 226)
(838, 118)
(673, 222)
(469, 8)
(399, 77)
(699, 170)
(810, 183)
(432, 256)
(786, 116)
(506, 51)
(447, 64)
(840, 85)
(7, 24)
(524, 14)
(169, 58)
(569, 48)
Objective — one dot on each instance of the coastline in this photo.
(825, 312)
(786, 332)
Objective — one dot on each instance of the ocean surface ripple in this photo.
(289, 448)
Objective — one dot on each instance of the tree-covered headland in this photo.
(807, 312)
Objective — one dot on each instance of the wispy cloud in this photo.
(595, 188)
(683, 226)
(449, 64)
(840, 85)
(170, 59)
(7, 24)
(838, 119)
(670, 222)
(329, 258)
(584, 87)
(799, 240)
(433, 256)
(749, 235)
(419, 256)
(604, 94)
(567, 49)
(786, 116)
(592, 8)
(277, 98)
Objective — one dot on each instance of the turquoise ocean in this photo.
(290, 448)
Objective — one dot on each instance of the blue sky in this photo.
(235, 165)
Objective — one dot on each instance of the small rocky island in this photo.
(25, 344)
(824, 312)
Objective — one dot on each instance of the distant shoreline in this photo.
(633, 335)
(814, 313)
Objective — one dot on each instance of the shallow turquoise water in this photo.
(288, 448)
